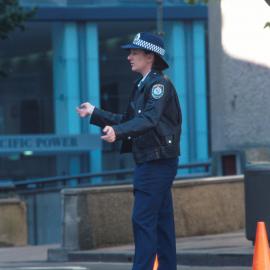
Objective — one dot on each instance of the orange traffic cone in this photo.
(261, 257)
(156, 263)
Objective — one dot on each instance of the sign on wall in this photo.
(49, 143)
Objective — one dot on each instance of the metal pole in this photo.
(160, 17)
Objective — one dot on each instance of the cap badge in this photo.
(137, 37)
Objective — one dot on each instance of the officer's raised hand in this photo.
(109, 134)
(85, 109)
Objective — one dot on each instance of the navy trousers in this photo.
(152, 218)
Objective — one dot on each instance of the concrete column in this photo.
(176, 57)
(239, 77)
(66, 89)
(93, 90)
(199, 66)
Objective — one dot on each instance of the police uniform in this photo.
(150, 129)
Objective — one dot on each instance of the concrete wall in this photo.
(239, 75)
(13, 228)
(98, 217)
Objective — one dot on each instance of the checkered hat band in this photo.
(149, 46)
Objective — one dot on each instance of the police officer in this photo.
(150, 128)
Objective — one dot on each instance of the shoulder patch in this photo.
(157, 91)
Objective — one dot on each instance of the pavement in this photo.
(222, 251)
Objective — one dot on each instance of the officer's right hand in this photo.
(85, 109)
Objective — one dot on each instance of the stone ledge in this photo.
(101, 216)
(123, 188)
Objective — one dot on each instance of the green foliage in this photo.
(12, 16)
(267, 25)
(193, 2)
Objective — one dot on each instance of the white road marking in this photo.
(54, 268)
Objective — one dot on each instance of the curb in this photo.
(190, 259)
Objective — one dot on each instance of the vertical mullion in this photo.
(200, 90)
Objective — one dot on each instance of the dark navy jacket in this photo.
(151, 126)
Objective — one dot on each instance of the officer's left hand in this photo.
(109, 134)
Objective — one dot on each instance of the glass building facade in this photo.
(69, 53)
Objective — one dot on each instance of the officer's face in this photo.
(140, 61)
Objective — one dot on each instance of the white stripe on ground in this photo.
(54, 268)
